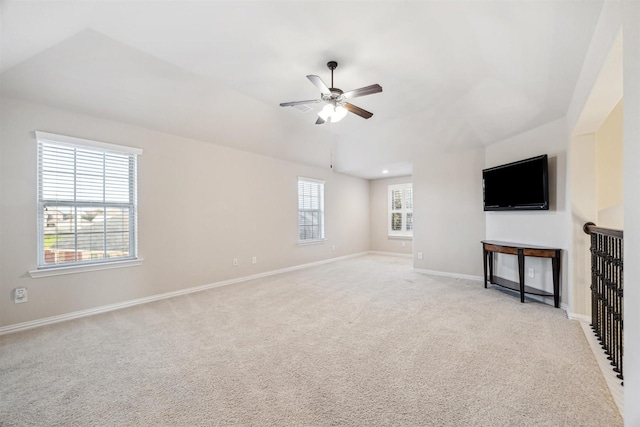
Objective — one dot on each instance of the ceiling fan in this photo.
(336, 100)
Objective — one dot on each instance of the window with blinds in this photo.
(310, 210)
(401, 210)
(87, 201)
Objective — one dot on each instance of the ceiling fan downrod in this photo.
(332, 66)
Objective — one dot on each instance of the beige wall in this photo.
(379, 202)
(200, 206)
(609, 169)
(584, 208)
(449, 220)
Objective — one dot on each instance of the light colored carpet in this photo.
(360, 342)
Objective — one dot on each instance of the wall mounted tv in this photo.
(522, 185)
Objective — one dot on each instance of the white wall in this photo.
(614, 16)
(447, 191)
(200, 206)
(544, 228)
(379, 203)
(631, 33)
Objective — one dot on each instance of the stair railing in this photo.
(607, 291)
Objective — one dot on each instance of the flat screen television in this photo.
(522, 185)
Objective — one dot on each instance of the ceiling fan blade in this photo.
(317, 82)
(320, 121)
(291, 104)
(357, 110)
(368, 90)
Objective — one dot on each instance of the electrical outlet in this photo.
(235, 261)
(531, 272)
(254, 260)
(333, 247)
(419, 255)
(19, 295)
(403, 244)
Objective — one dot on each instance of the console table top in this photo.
(517, 245)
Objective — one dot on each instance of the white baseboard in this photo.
(447, 274)
(575, 316)
(391, 254)
(111, 307)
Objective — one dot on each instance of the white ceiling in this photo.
(454, 74)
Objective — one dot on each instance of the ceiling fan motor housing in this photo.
(335, 94)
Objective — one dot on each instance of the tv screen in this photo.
(522, 185)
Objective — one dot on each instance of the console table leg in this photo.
(521, 273)
(484, 262)
(555, 263)
(490, 255)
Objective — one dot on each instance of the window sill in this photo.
(58, 271)
(311, 242)
(395, 237)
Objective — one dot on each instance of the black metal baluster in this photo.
(594, 283)
(602, 294)
(615, 344)
(610, 311)
(616, 313)
(607, 292)
(621, 306)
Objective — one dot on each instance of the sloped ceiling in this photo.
(455, 75)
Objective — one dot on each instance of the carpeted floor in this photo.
(360, 342)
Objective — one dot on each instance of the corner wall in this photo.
(200, 206)
(631, 34)
(447, 206)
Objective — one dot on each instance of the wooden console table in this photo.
(521, 251)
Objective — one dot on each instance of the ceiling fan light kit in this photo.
(335, 113)
(336, 107)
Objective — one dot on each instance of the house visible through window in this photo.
(87, 202)
(310, 210)
(400, 210)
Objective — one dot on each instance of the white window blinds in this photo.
(87, 201)
(400, 210)
(310, 209)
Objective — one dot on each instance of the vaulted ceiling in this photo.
(455, 75)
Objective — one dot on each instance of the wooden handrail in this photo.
(590, 227)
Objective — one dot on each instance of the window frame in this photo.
(320, 211)
(404, 210)
(103, 149)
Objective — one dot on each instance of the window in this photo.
(401, 210)
(87, 202)
(310, 210)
